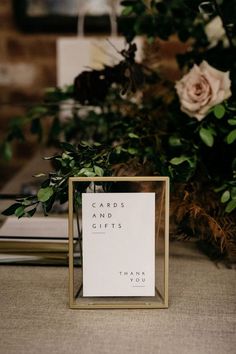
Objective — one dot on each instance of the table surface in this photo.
(201, 319)
(35, 318)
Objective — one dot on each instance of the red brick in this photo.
(41, 48)
(6, 8)
(6, 23)
(4, 94)
(6, 4)
(16, 48)
(3, 52)
(30, 48)
(19, 96)
(47, 74)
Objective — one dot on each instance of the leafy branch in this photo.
(84, 160)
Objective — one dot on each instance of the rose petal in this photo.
(191, 106)
(202, 88)
(200, 91)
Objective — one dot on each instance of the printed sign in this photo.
(118, 244)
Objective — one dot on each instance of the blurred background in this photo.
(29, 31)
(27, 66)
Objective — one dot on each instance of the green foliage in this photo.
(225, 196)
(44, 194)
(207, 136)
(163, 18)
(50, 108)
(152, 132)
(228, 195)
(180, 160)
(6, 151)
(11, 210)
(182, 168)
(231, 137)
(84, 160)
(219, 111)
(232, 121)
(231, 206)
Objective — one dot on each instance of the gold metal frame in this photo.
(118, 303)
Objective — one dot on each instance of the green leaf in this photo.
(133, 136)
(175, 141)
(232, 121)
(49, 157)
(151, 40)
(96, 144)
(234, 164)
(40, 110)
(230, 206)
(87, 172)
(65, 156)
(206, 136)
(88, 165)
(231, 137)
(118, 149)
(221, 188)
(212, 131)
(6, 151)
(84, 143)
(11, 210)
(44, 194)
(26, 202)
(233, 193)
(225, 196)
(179, 160)
(38, 175)
(219, 111)
(132, 151)
(72, 163)
(127, 11)
(19, 212)
(99, 171)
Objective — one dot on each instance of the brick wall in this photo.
(27, 61)
(27, 66)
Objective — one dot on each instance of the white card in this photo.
(75, 55)
(118, 244)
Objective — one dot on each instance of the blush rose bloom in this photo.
(202, 88)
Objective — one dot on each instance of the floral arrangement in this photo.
(129, 119)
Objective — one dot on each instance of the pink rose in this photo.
(202, 88)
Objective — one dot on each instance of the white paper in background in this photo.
(48, 227)
(75, 55)
(118, 244)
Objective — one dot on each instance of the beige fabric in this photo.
(34, 314)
